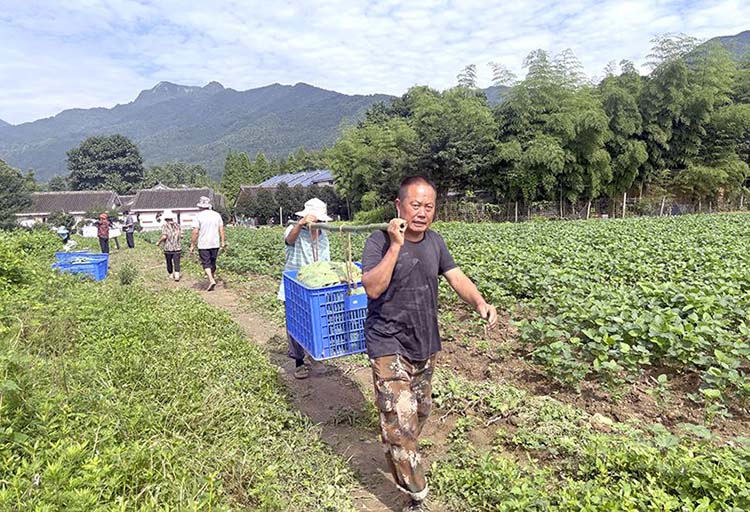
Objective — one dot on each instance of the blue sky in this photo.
(85, 53)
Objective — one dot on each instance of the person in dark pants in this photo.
(304, 246)
(208, 232)
(401, 268)
(129, 229)
(171, 237)
(102, 231)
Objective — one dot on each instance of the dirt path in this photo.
(335, 396)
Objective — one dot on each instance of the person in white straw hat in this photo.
(171, 237)
(208, 232)
(303, 246)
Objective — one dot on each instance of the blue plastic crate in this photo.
(327, 322)
(92, 264)
(65, 257)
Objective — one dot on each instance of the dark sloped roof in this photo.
(174, 198)
(305, 179)
(71, 201)
(126, 201)
(300, 178)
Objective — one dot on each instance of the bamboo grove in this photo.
(683, 129)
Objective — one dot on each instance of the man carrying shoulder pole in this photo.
(401, 269)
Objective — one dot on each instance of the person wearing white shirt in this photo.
(208, 232)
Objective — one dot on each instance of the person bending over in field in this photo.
(208, 231)
(400, 275)
(304, 246)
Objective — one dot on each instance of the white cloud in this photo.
(83, 53)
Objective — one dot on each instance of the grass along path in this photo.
(120, 397)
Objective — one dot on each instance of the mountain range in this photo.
(738, 45)
(172, 122)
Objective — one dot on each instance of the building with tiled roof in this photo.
(148, 204)
(76, 203)
(319, 177)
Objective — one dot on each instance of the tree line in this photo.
(684, 129)
(681, 130)
(114, 163)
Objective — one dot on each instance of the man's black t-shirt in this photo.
(403, 320)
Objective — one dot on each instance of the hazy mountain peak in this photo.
(213, 86)
(165, 91)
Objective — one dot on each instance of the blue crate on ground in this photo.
(326, 322)
(91, 264)
(65, 257)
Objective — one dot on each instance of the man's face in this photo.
(418, 207)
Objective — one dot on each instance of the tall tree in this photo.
(57, 184)
(105, 163)
(501, 75)
(15, 194)
(176, 173)
(456, 134)
(373, 157)
(262, 168)
(468, 77)
(238, 170)
(553, 131)
(620, 101)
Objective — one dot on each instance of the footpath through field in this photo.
(336, 395)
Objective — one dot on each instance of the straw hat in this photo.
(204, 202)
(167, 214)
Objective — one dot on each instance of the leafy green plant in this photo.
(128, 274)
(660, 392)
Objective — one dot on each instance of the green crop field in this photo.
(602, 300)
(100, 409)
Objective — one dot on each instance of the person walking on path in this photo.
(303, 246)
(400, 276)
(171, 237)
(102, 231)
(129, 229)
(208, 232)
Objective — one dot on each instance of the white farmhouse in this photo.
(77, 203)
(148, 205)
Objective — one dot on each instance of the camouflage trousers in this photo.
(403, 395)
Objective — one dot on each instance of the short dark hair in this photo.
(413, 180)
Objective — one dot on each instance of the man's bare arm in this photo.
(467, 290)
(193, 239)
(376, 281)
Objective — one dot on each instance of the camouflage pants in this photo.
(403, 395)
